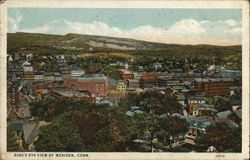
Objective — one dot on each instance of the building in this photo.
(126, 75)
(30, 134)
(38, 76)
(148, 80)
(112, 84)
(49, 76)
(29, 76)
(157, 65)
(196, 100)
(76, 72)
(96, 84)
(196, 126)
(27, 67)
(202, 109)
(133, 83)
(60, 58)
(12, 90)
(188, 77)
(41, 89)
(227, 73)
(74, 95)
(121, 86)
(215, 86)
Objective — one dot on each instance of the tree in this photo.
(170, 126)
(60, 136)
(98, 133)
(222, 137)
(222, 104)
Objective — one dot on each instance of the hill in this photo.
(92, 43)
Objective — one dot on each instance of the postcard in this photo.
(124, 80)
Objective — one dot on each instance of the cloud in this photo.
(231, 22)
(186, 31)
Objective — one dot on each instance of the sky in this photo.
(179, 26)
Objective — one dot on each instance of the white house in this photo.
(77, 72)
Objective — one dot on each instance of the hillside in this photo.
(91, 43)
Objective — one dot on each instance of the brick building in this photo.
(133, 83)
(148, 80)
(215, 86)
(95, 84)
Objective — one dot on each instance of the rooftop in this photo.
(214, 80)
(71, 93)
(89, 77)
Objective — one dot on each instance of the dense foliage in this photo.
(222, 137)
(104, 128)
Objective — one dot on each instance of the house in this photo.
(140, 69)
(60, 58)
(17, 128)
(169, 91)
(203, 109)
(235, 90)
(224, 114)
(196, 100)
(10, 58)
(105, 101)
(77, 71)
(157, 65)
(236, 116)
(30, 134)
(196, 126)
(134, 110)
(38, 76)
(121, 86)
(24, 111)
(12, 114)
(234, 119)
(27, 67)
(180, 98)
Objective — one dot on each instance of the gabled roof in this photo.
(30, 131)
(105, 101)
(224, 114)
(135, 108)
(130, 114)
(10, 113)
(239, 113)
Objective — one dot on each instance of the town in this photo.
(103, 102)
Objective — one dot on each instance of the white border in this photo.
(133, 4)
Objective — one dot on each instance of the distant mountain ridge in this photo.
(104, 43)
